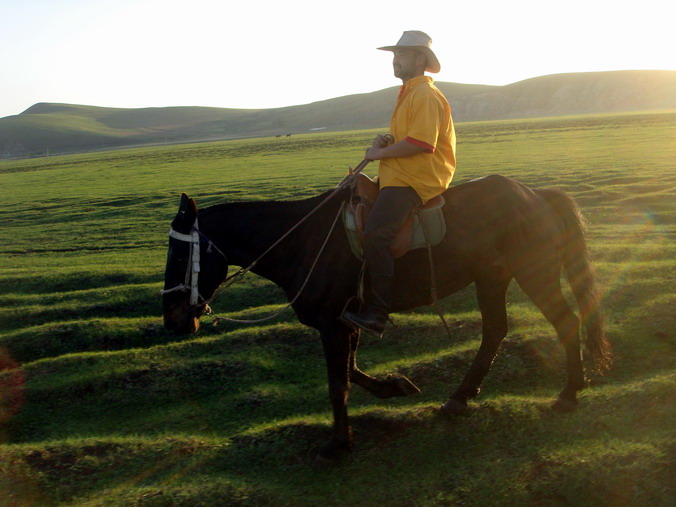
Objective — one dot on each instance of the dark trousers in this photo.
(388, 214)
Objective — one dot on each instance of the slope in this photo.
(60, 128)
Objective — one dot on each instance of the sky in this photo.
(262, 54)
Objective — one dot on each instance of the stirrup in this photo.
(349, 319)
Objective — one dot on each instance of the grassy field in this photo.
(100, 406)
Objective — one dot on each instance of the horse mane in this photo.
(295, 206)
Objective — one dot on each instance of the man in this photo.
(417, 161)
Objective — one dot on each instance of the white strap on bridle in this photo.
(193, 270)
(188, 238)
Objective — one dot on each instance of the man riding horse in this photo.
(417, 161)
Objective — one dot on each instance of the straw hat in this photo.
(420, 41)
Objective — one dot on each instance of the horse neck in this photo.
(245, 231)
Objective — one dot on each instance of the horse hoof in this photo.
(454, 407)
(406, 387)
(564, 406)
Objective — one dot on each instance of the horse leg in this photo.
(546, 293)
(491, 297)
(336, 344)
(393, 385)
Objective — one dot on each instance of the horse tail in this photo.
(582, 278)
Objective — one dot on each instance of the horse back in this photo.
(497, 215)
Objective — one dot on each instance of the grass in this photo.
(99, 405)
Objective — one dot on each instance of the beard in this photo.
(401, 72)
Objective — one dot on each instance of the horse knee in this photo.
(495, 332)
(339, 390)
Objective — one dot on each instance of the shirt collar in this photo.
(413, 82)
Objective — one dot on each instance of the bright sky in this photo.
(262, 54)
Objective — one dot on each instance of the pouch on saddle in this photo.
(425, 223)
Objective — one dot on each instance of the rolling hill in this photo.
(47, 128)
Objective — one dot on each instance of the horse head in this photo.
(192, 274)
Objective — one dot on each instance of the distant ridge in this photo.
(47, 128)
(566, 94)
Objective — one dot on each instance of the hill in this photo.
(58, 128)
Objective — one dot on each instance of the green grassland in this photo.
(99, 405)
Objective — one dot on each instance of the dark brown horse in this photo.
(497, 230)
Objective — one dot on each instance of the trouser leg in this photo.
(390, 211)
(388, 214)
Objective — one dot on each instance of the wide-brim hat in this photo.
(419, 41)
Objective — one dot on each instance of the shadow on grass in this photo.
(528, 454)
(57, 284)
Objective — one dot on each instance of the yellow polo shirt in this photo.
(422, 117)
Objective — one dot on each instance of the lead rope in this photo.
(217, 319)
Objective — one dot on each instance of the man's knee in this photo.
(381, 234)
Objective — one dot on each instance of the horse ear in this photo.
(187, 213)
(188, 205)
(185, 202)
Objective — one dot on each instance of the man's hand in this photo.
(383, 140)
(380, 142)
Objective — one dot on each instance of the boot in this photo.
(373, 317)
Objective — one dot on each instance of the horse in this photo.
(497, 230)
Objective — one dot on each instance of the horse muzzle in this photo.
(182, 327)
(181, 320)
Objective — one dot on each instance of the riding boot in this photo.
(374, 315)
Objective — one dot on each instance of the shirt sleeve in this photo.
(421, 144)
(426, 118)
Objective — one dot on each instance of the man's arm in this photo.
(380, 150)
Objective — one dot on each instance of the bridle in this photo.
(191, 281)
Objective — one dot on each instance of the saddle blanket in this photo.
(423, 225)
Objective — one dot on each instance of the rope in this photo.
(192, 274)
(346, 182)
(217, 319)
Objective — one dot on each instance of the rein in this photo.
(217, 318)
(193, 269)
(346, 182)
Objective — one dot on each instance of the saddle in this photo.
(425, 225)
